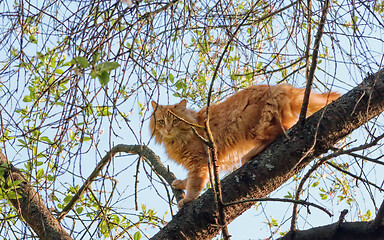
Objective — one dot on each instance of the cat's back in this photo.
(247, 101)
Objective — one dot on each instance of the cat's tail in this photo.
(295, 100)
(316, 101)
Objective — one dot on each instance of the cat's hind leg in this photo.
(260, 146)
(180, 184)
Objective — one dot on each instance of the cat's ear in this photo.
(182, 104)
(154, 105)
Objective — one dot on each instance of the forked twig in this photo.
(325, 159)
(141, 150)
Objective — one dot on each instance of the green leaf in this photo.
(284, 73)
(13, 195)
(16, 183)
(38, 163)
(68, 198)
(171, 78)
(103, 111)
(86, 139)
(94, 74)
(32, 39)
(315, 184)
(104, 78)
(137, 235)
(323, 196)
(28, 166)
(259, 65)
(96, 57)
(50, 178)
(40, 173)
(27, 99)
(153, 72)
(45, 139)
(40, 56)
(59, 71)
(53, 62)
(82, 61)
(79, 210)
(107, 66)
(289, 195)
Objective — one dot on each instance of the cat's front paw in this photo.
(178, 184)
(183, 201)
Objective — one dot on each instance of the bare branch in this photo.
(322, 161)
(302, 202)
(355, 176)
(140, 150)
(311, 73)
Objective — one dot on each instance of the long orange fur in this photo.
(245, 123)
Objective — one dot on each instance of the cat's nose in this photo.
(168, 130)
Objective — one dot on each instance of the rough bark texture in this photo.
(280, 161)
(32, 208)
(345, 231)
(372, 230)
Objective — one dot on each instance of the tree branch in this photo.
(302, 202)
(141, 150)
(372, 230)
(270, 169)
(310, 75)
(30, 205)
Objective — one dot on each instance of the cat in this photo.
(245, 123)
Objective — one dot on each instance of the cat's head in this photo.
(164, 125)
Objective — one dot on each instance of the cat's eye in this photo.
(175, 121)
(161, 122)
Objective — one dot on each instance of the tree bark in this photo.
(372, 230)
(280, 161)
(345, 231)
(31, 207)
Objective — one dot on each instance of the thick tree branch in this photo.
(346, 231)
(31, 207)
(372, 230)
(280, 161)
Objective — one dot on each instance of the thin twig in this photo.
(342, 217)
(136, 182)
(193, 127)
(187, 122)
(319, 163)
(355, 176)
(280, 200)
(315, 53)
(309, 36)
(142, 151)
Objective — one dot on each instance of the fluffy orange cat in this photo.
(245, 123)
